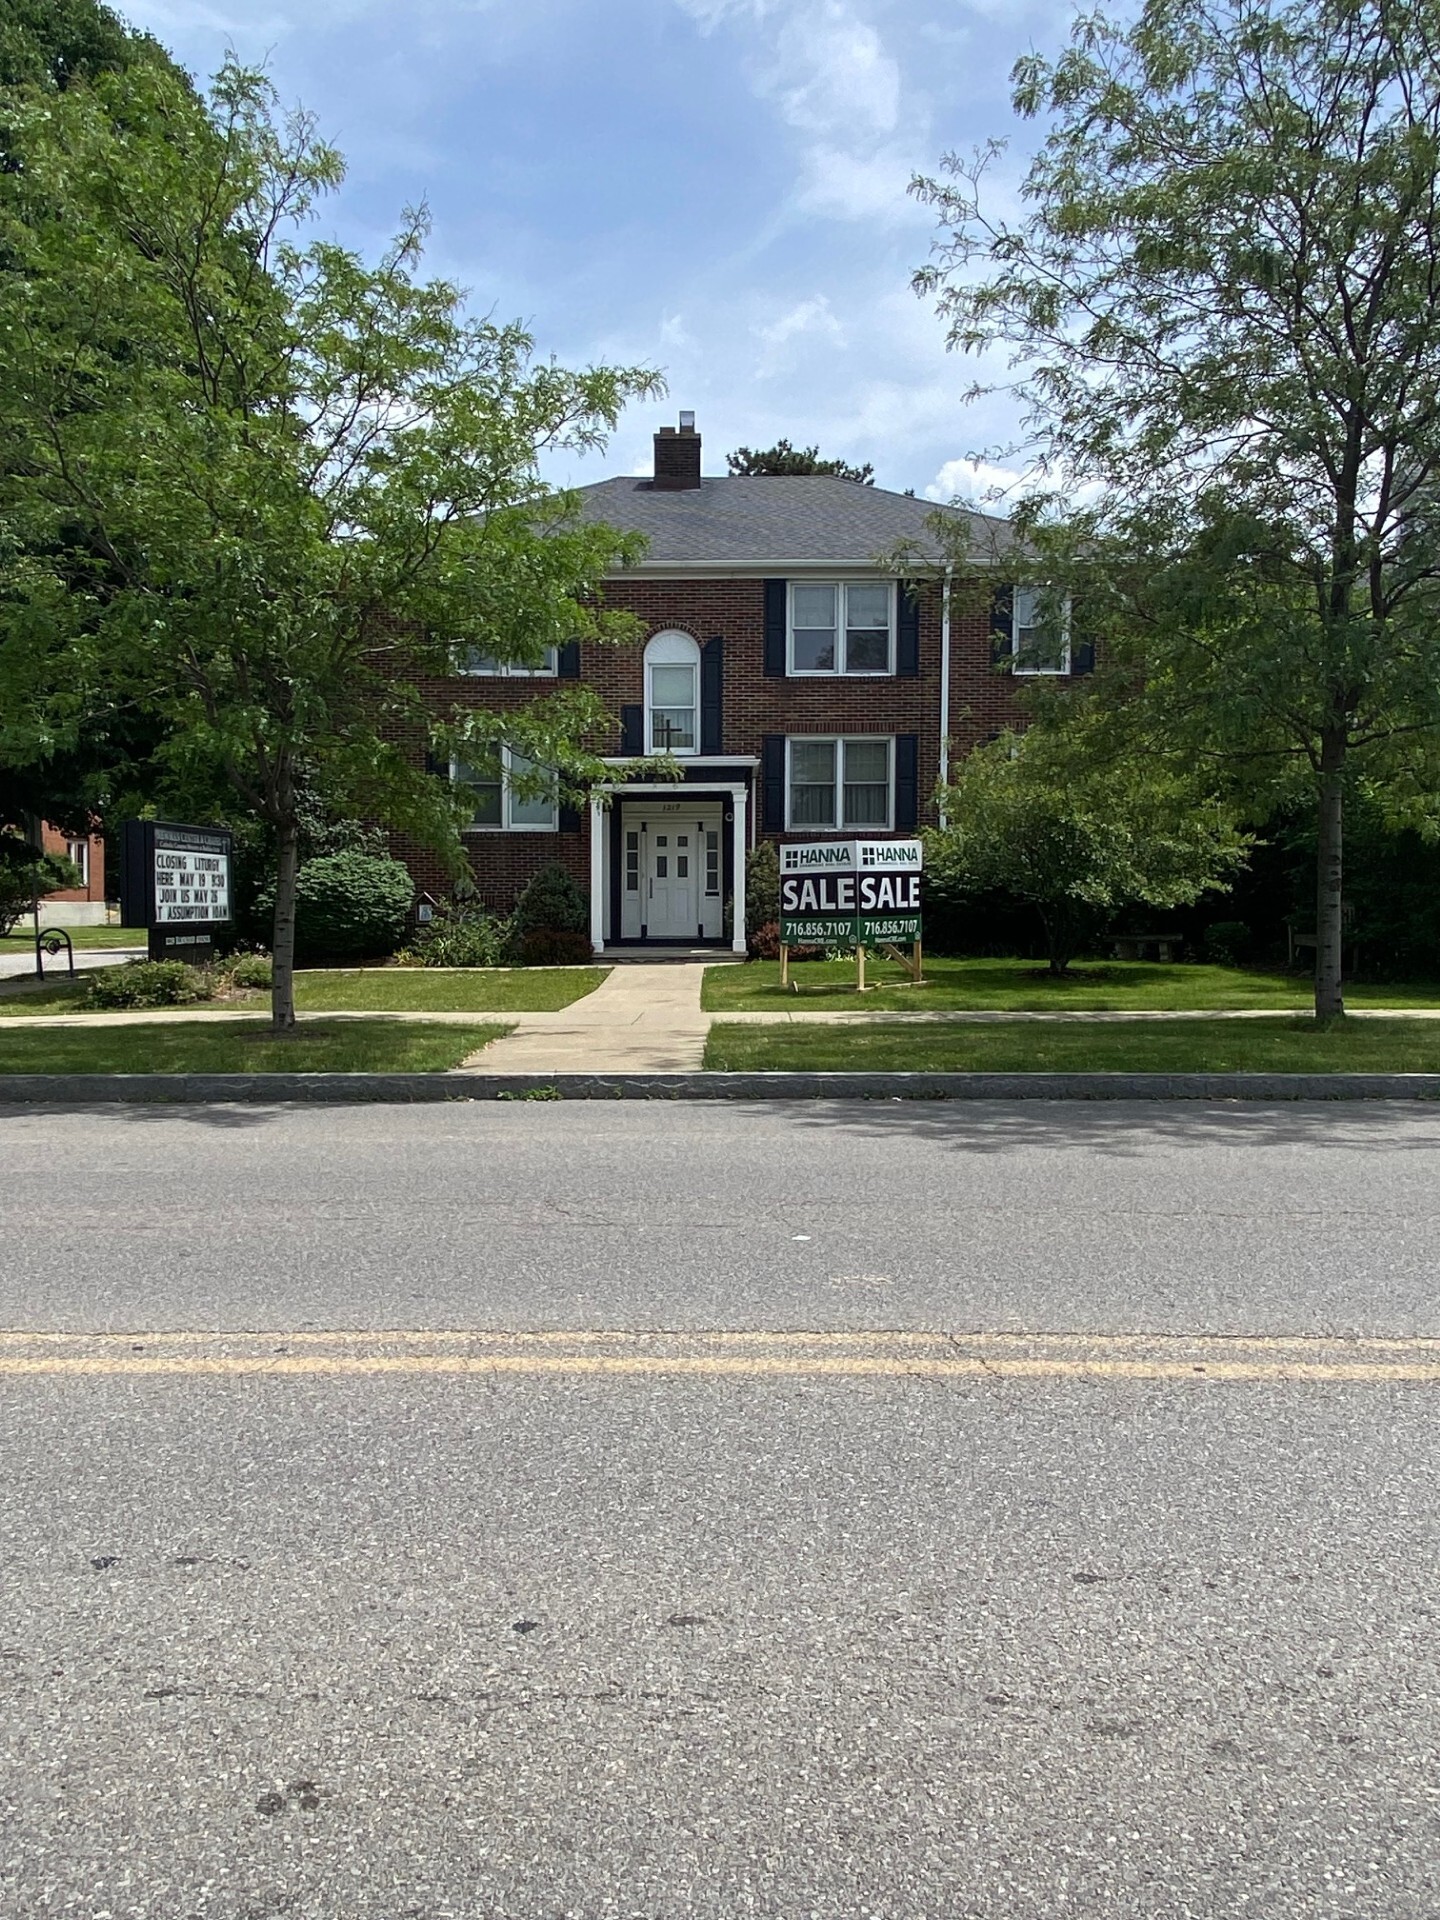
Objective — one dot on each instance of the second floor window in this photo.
(842, 626)
(672, 694)
(471, 660)
(1040, 632)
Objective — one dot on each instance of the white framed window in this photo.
(672, 694)
(498, 807)
(1039, 632)
(473, 662)
(77, 852)
(843, 627)
(839, 784)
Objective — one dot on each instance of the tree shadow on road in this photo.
(1125, 1128)
(229, 1116)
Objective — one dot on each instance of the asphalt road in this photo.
(379, 1627)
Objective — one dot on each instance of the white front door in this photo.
(672, 891)
(671, 882)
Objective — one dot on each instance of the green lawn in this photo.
(65, 996)
(1021, 986)
(376, 990)
(81, 938)
(1183, 1046)
(359, 1046)
(425, 990)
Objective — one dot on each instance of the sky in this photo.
(716, 188)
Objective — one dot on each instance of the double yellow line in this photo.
(738, 1354)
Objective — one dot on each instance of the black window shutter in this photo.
(567, 661)
(775, 600)
(1002, 625)
(569, 819)
(1082, 657)
(907, 782)
(712, 695)
(632, 730)
(772, 773)
(907, 631)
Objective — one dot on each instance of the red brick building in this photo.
(75, 906)
(805, 689)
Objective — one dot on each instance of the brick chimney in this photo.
(677, 457)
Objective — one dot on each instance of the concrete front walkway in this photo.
(640, 1019)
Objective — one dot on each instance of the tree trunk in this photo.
(282, 1001)
(1059, 940)
(1329, 926)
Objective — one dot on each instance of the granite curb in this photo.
(84, 1089)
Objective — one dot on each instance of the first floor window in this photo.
(77, 852)
(840, 783)
(472, 660)
(497, 803)
(1040, 632)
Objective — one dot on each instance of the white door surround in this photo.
(671, 858)
(671, 869)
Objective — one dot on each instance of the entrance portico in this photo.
(665, 856)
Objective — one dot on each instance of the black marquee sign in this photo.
(175, 880)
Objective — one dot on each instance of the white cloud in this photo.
(831, 79)
(674, 335)
(851, 186)
(831, 73)
(810, 316)
(977, 482)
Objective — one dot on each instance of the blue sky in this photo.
(713, 187)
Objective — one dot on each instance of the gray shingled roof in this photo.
(774, 519)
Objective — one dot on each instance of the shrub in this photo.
(557, 947)
(149, 983)
(762, 896)
(472, 938)
(763, 943)
(250, 970)
(1227, 942)
(348, 906)
(551, 905)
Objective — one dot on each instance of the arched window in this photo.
(672, 694)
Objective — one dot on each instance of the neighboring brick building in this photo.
(81, 906)
(804, 688)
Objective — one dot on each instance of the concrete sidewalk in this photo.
(19, 967)
(640, 1019)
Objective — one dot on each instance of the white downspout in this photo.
(945, 687)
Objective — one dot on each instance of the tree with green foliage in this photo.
(47, 46)
(262, 491)
(782, 458)
(27, 875)
(55, 42)
(1220, 295)
(1043, 817)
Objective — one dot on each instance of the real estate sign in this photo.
(175, 880)
(850, 893)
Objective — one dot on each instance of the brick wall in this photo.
(52, 840)
(982, 703)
